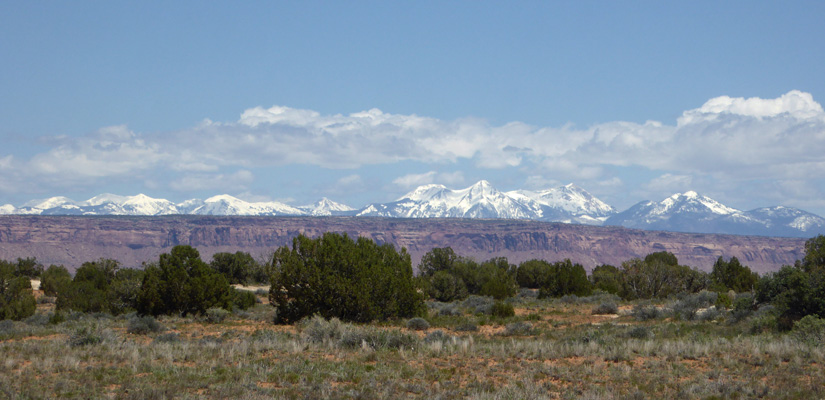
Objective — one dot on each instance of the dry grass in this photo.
(568, 353)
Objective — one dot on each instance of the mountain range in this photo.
(681, 212)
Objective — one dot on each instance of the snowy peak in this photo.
(569, 199)
(788, 221)
(424, 193)
(51, 202)
(326, 207)
(692, 212)
(228, 205)
(692, 202)
(483, 200)
(140, 204)
(687, 211)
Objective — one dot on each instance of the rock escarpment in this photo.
(71, 240)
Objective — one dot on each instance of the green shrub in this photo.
(466, 327)
(38, 320)
(6, 327)
(16, 298)
(500, 285)
(642, 312)
(479, 304)
(445, 287)
(54, 279)
(690, 304)
(239, 267)
(502, 309)
(566, 278)
(142, 325)
(98, 286)
(731, 275)
(436, 336)
(606, 308)
(170, 337)
(445, 309)
(216, 315)
(724, 300)
(742, 307)
(810, 329)
(520, 328)
(640, 332)
(57, 318)
(606, 278)
(533, 274)
(318, 330)
(243, 299)
(335, 276)
(85, 336)
(181, 283)
(418, 324)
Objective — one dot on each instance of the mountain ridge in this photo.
(680, 212)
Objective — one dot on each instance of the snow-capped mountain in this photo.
(691, 212)
(227, 205)
(325, 207)
(563, 204)
(481, 200)
(682, 212)
(568, 203)
(104, 204)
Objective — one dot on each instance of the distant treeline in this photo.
(358, 280)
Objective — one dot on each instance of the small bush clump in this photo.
(38, 320)
(445, 309)
(640, 332)
(216, 315)
(418, 324)
(502, 309)
(436, 336)
(520, 328)
(243, 299)
(170, 337)
(478, 304)
(85, 336)
(688, 307)
(643, 312)
(318, 330)
(466, 327)
(606, 308)
(6, 327)
(143, 325)
(810, 329)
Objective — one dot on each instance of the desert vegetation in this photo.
(650, 328)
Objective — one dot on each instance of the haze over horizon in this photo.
(362, 102)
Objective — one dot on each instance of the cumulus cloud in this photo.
(670, 183)
(414, 180)
(795, 103)
(238, 180)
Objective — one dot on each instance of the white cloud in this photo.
(669, 183)
(415, 180)
(238, 180)
(795, 103)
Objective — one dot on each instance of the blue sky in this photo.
(264, 100)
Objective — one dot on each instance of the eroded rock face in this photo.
(133, 240)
